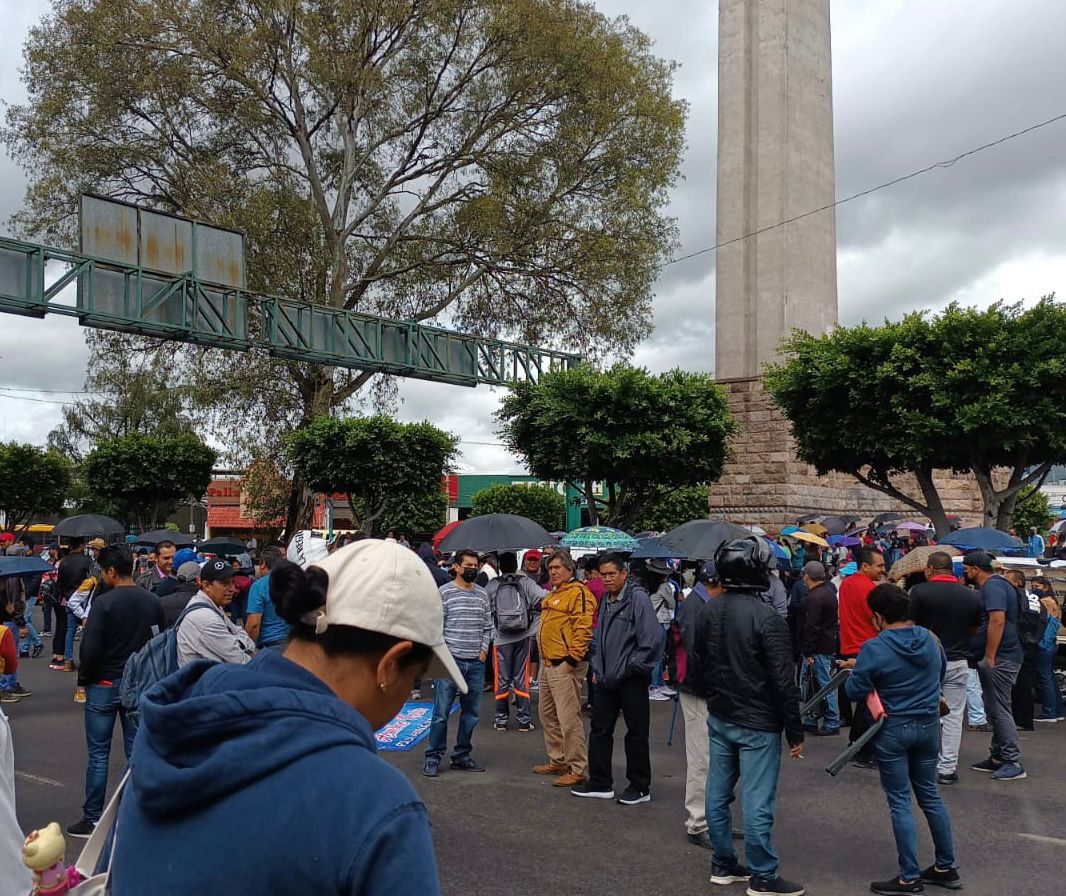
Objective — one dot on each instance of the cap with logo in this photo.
(307, 549)
(217, 571)
(384, 587)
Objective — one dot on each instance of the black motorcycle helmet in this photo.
(744, 564)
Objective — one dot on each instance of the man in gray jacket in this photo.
(628, 645)
(208, 633)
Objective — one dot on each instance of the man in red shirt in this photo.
(856, 628)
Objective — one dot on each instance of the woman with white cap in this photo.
(281, 751)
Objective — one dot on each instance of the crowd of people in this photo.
(313, 646)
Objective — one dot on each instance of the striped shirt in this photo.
(467, 620)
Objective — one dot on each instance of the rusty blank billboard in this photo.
(161, 242)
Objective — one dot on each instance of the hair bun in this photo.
(295, 591)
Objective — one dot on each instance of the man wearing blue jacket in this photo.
(628, 645)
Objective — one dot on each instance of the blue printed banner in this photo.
(408, 728)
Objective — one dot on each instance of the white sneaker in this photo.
(670, 692)
(654, 694)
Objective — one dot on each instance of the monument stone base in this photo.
(767, 484)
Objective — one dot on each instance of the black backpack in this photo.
(1031, 623)
(511, 612)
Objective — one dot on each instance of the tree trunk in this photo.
(590, 499)
(999, 503)
(935, 505)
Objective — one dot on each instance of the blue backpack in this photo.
(151, 664)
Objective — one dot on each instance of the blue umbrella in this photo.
(979, 538)
(844, 541)
(16, 567)
(601, 538)
(652, 548)
(779, 552)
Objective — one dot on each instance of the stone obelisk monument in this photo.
(776, 265)
(775, 162)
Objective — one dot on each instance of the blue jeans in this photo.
(32, 639)
(975, 702)
(1050, 695)
(657, 672)
(822, 670)
(444, 692)
(72, 627)
(907, 756)
(755, 758)
(101, 707)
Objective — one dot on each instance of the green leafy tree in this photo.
(390, 472)
(128, 390)
(540, 503)
(142, 479)
(641, 435)
(32, 481)
(674, 507)
(967, 390)
(498, 165)
(265, 492)
(1032, 510)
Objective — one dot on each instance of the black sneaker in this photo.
(633, 797)
(19, 691)
(863, 763)
(948, 877)
(986, 765)
(431, 768)
(588, 791)
(466, 765)
(526, 728)
(890, 887)
(953, 778)
(826, 732)
(776, 885)
(36, 652)
(702, 840)
(82, 829)
(729, 874)
(499, 726)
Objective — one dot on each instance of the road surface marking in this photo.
(1040, 838)
(38, 779)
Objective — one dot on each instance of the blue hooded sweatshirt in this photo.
(906, 667)
(258, 779)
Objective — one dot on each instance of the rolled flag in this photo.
(307, 549)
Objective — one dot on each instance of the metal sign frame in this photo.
(131, 299)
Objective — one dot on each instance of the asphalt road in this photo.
(508, 831)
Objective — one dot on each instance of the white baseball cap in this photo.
(307, 549)
(384, 587)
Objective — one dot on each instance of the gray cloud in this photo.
(913, 84)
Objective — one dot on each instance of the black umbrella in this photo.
(837, 525)
(89, 525)
(701, 539)
(224, 545)
(654, 548)
(157, 535)
(496, 532)
(882, 518)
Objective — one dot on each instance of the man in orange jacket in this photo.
(566, 618)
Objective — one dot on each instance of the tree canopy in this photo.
(964, 390)
(389, 471)
(1033, 510)
(32, 481)
(642, 435)
(142, 479)
(672, 508)
(540, 503)
(501, 166)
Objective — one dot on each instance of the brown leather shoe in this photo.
(551, 768)
(568, 780)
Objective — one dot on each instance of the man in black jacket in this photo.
(743, 655)
(629, 642)
(819, 641)
(122, 621)
(952, 612)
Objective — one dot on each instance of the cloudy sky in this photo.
(913, 82)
